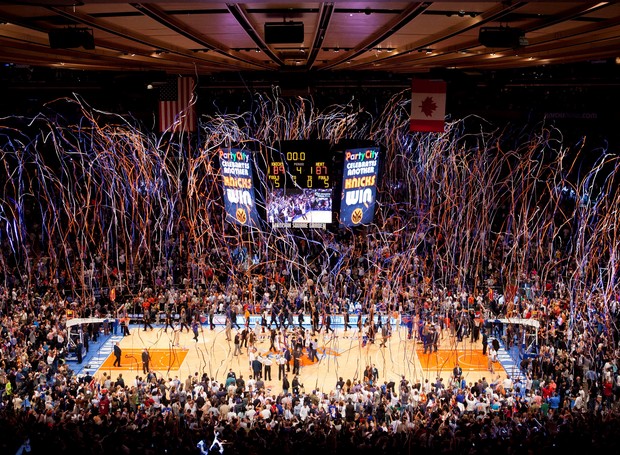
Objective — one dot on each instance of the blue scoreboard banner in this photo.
(237, 181)
(359, 186)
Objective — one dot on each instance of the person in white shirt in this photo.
(580, 403)
(281, 362)
(470, 402)
(303, 412)
(528, 384)
(17, 402)
(265, 413)
(508, 383)
(190, 406)
(427, 386)
(250, 412)
(297, 408)
(251, 356)
(482, 405)
(267, 362)
(250, 384)
(492, 358)
(395, 424)
(198, 389)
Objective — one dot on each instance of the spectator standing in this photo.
(117, 355)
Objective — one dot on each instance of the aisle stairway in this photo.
(509, 359)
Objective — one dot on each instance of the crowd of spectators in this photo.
(568, 400)
(452, 243)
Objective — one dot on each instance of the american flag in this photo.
(177, 112)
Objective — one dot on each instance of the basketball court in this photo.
(341, 354)
(161, 360)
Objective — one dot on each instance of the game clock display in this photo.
(298, 170)
(300, 184)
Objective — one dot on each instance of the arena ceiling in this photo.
(208, 37)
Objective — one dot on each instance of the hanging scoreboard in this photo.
(300, 170)
(300, 186)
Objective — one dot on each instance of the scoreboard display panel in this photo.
(300, 184)
(300, 170)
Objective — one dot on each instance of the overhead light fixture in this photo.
(461, 13)
(70, 38)
(502, 37)
(284, 32)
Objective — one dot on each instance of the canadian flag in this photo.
(428, 106)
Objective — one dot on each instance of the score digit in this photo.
(275, 180)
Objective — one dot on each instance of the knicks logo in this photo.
(356, 216)
(241, 216)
